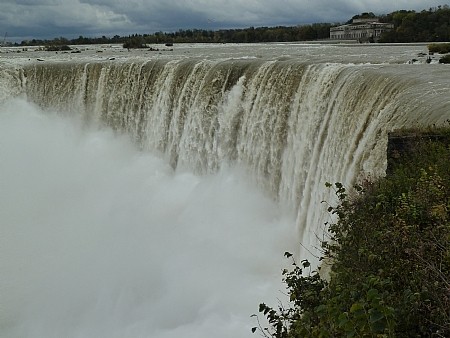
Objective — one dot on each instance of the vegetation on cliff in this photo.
(390, 255)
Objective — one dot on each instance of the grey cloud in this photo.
(109, 17)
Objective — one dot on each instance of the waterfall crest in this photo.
(292, 125)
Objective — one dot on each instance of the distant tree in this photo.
(135, 42)
(426, 26)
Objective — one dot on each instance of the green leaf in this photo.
(356, 307)
(375, 316)
(351, 334)
(379, 326)
(321, 309)
(287, 254)
(254, 329)
(372, 294)
(342, 319)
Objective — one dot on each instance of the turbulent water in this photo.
(153, 195)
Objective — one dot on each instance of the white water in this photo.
(99, 239)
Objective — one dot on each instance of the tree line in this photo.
(409, 26)
(315, 31)
(425, 26)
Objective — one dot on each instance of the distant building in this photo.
(366, 29)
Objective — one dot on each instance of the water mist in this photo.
(101, 240)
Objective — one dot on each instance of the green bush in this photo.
(445, 59)
(57, 48)
(135, 42)
(441, 48)
(390, 254)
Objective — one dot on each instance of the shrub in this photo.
(391, 259)
(445, 59)
(135, 42)
(57, 48)
(441, 48)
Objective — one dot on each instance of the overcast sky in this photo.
(24, 19)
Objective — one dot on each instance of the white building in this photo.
(361, 30)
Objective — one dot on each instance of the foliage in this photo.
(245, 35)
(58, 44)
(425, 132)
(390, 254)
(424, 26)
(440, 48)
(57, 48)
(134, 42)
(445, 59)
(364, 15)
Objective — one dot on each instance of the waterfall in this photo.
(215, 128)
(293, 125)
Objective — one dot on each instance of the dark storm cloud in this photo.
(52, 18)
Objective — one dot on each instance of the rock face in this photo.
(401, 145)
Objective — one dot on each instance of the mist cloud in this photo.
(101, 240)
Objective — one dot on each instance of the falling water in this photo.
(154, 197)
